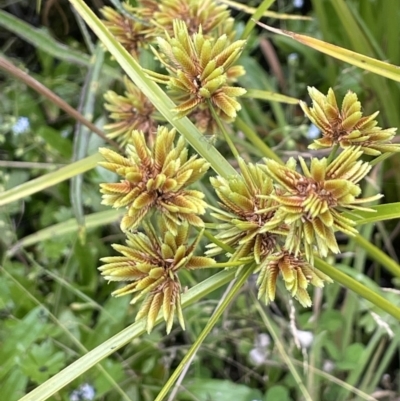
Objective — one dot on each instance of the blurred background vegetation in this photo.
(53, 304)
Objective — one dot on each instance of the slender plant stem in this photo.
(256, 140)
(69, 334)
(241, 279)
(216, 241)
(186, 368)
(154, 93)
(281, 349)
(223, 130)
(50, 179)
(113, 344)
(333, 153)
(378, 255)
(40, 88)
(380, 158)
(336, 275)
(256, 16)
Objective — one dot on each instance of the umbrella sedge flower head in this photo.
(130, 112)
(200, 70)
(311, 203)
(128, 31)
(347, 126)
(150, 263)
(245, 214)
(296, 273)
(213, 18)
(155, 179)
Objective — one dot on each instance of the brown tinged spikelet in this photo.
(130, 112)
(347, 126)
(296, 273)
(311, 204)
(249, 207)
(155, 179)
(150, 263)
(243, 224)
(200, 70)
(213, 18)
(129, 32)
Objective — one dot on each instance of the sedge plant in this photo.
(281, 223)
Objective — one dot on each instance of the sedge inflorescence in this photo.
(194, 43)
(277, 217)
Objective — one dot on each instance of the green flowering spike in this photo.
(150, 262)
(130, 112)
(199, 71)
(296, 273)
(155, 178)
(311, 204)
(347, 126)
(248, 207)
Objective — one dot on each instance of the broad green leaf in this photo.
(351, 357)
(42, 361)
(77, 368)
(221, 390)
(276, 393)
(54, 139)
(13, 386)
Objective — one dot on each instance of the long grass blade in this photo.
(48, 180)
(79, 367)
(154, 93)
(42, 40)
(82, 136)
(359, 60)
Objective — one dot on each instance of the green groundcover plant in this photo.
(202, 200)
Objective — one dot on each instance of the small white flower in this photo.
(305, 338)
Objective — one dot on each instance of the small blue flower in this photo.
(21, 126)
(298, 3)
(313, 132)
(85, 392)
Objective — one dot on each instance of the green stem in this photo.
(336, 275)
(228, 264)
(154, 93)
(223, 130)
(281, 349)
(216, 241)
(380, 158)
(264, 6)
(332, 154)
(108, 347)
(50, 179)
(69, 334)
(376, 254)
(241, 279)
(256, 140)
